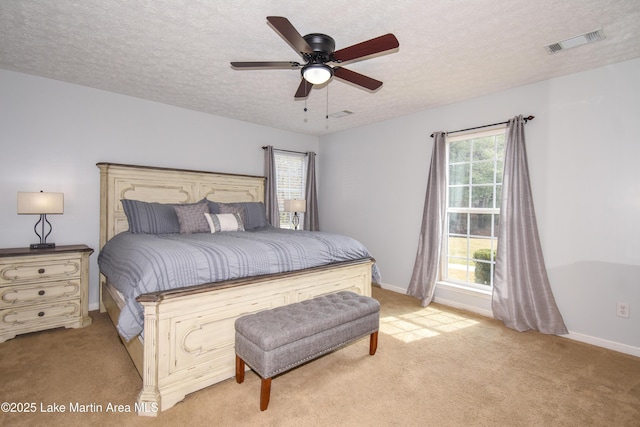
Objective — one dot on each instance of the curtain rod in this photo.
(526, 119)
(264, 147)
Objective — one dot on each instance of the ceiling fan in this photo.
(320, 57)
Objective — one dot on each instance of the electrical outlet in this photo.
(623, 309)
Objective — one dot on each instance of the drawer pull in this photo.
(40, 293)
(41, 314)
(41, 271)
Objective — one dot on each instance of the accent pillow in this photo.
(224, 222)
(150, 218)
(255, 214)
(213, 206)
(192, 219)
(228, 208)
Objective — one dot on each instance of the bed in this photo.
(187, 339)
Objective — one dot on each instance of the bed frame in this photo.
(189, 333)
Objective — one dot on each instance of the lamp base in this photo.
(42, 246)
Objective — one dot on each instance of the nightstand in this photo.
(43, 289)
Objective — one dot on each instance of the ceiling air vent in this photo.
(580, 40)
(342, 113)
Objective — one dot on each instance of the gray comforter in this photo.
(140, 263)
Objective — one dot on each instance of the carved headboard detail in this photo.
(165, 185)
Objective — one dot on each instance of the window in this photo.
(291, 173)
(474, 186)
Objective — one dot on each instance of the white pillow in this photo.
(224, 222)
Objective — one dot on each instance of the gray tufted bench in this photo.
(274, 341)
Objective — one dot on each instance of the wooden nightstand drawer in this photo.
(43, 289)
(41, 316)
(19, 295)
(46, 268)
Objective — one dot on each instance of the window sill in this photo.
(465, 289)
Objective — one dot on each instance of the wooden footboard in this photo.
(189, 332)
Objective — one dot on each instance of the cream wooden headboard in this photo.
(164, 185)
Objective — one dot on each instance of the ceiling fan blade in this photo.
(266, 64)
(369, 47)
(304, 89)
(356, 78)
(288, 32)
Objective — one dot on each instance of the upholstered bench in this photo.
(274, 341)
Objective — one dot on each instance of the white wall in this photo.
(583, 153)
(52, 134)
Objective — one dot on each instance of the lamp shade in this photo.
(295, 205)
(40, 203)
(317, 74)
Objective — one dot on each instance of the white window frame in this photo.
(468, 284)
(286, 189)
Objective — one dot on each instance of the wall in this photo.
(52, 134)
(583, 151)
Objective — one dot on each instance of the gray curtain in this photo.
(311, 222)
(426, 269)
(522, 296)
(271, 192)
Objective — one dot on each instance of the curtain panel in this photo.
(311, 221)
(522, 296)
(271, 189)
(426, 269)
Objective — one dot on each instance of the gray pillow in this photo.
(151, 217)
(255, 214)
(192, 218)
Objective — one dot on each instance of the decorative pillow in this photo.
(255, 214)
(150, 218)
(192, 219)
(213, 206)
(229, 208)
(224, 222)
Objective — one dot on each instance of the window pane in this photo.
(483, 259)
(458, 269)
(459, 174)
(482, 172)
(480, 225)
(498, 196)
(458, 223)
(482, 196)
(458, 247)
(484, 148)
(459, 151)
(483, 272)
(459, 197)
(499, 170)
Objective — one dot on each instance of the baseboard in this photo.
(394, 288)
(600, 342)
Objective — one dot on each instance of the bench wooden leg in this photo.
(265, 393)
(373, 343)
(239, 370)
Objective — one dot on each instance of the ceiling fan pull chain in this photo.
(327, 115)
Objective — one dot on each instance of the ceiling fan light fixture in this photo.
(317, 74)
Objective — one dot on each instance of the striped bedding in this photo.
(140, 263)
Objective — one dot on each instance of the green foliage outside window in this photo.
(484, 258)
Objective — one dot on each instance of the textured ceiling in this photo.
(178, 52)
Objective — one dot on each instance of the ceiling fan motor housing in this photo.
(322, 46)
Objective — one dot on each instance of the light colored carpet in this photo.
(434, 366)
